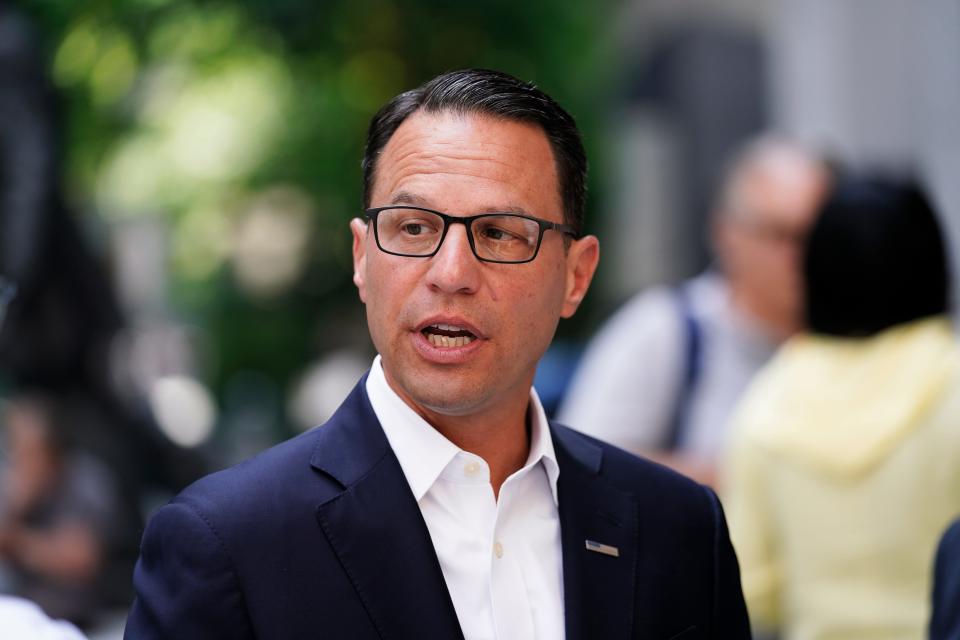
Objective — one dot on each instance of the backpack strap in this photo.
(692, 364)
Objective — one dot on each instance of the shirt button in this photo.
(471, 468)
(498, 549)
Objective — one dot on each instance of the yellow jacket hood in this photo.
(842, 405)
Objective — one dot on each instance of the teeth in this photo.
(447, 327)
(447, 341)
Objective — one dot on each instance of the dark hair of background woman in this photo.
(874, 259)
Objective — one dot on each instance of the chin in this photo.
(456, 399)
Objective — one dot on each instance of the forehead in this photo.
(468, 162)
(783, 190)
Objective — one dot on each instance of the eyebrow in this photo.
(405, 197)
(414, 200)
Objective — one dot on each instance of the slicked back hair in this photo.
(497, 95)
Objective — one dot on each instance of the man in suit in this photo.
(945, 620)
(439, 502)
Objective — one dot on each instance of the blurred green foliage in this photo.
(190, 110)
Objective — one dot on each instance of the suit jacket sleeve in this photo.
(945, 623)
(730, 610)
(185, 582)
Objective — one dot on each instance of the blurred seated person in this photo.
(62, 530)
(661, 377)
(22, 620)
(844, 459)
(945, 619)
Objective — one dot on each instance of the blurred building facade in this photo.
(867, 82)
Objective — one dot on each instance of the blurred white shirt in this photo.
(501, 559)
(23, 620)
(626, 388)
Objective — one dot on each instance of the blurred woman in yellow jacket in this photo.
(844, 461)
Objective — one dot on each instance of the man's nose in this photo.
(454, 268)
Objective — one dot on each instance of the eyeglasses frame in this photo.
(467, 221)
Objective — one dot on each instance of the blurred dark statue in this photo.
(59, 311)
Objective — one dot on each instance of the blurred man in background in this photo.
(661, 377)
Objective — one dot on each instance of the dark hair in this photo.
(496, 94)
(874, 259)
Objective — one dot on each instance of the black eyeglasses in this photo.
(416, 232)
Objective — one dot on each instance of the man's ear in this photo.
(728, 238)
(720, 236)
(582, 258)
(359, 230)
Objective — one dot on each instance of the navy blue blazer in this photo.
(945, 622)
(320, 537)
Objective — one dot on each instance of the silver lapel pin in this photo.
(605, 549)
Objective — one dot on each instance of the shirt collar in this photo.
(541, 444)
(424, 453)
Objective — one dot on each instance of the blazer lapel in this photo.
(599, 582)
(375, 528)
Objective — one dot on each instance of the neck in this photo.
(501, 437)
(494, 429)
(778, 326)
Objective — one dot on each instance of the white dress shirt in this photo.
(501, 559)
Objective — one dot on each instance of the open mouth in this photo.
(447, 335)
